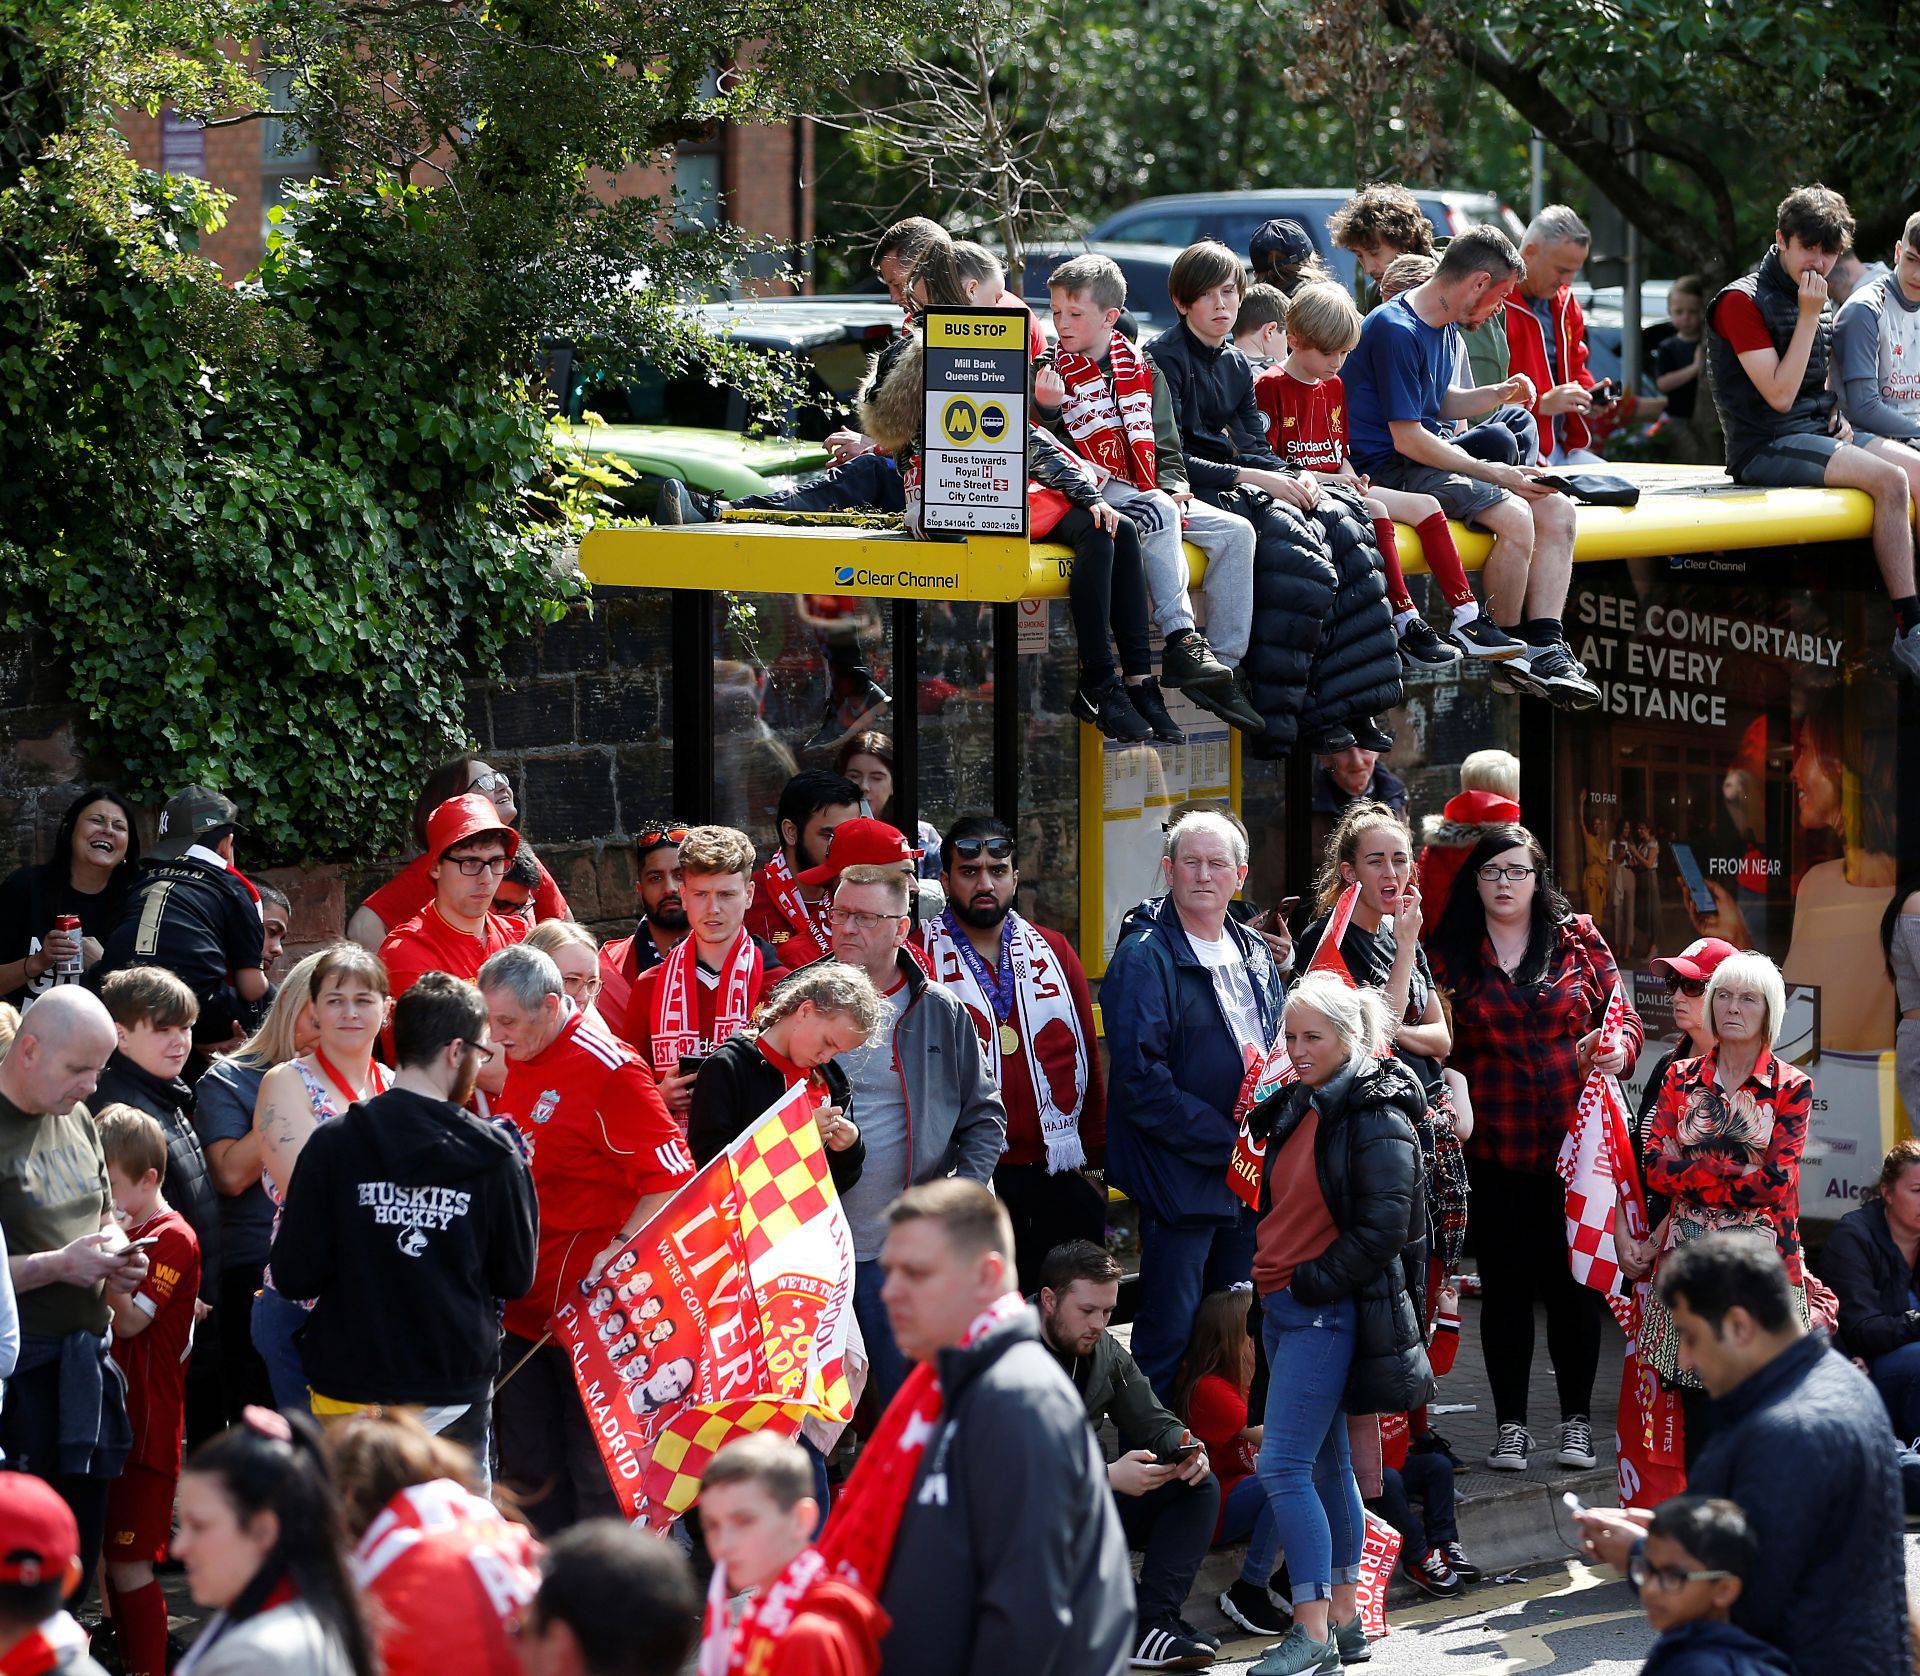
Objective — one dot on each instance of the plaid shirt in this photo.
(1516, 1043)
(1733, 1158)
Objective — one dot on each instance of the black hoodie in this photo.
(189, 1184)
(406, 1221)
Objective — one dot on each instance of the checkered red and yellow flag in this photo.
(728, 1313)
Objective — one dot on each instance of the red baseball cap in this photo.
(38, 1537)
(1481, 808)
(467, 816)
(861, 842)
(1696, 960)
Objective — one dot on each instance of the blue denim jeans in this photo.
(1248, 1518)
(275, 1321)
(1180, 1263)
(887, 1368)
(1896, 1376)
(1304, 1461)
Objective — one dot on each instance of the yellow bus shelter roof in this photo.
(1682, 509)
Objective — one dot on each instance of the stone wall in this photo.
(579, 720)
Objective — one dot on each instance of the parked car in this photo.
(692, 425)
(1234, 217)
(1605, 311)
(1145, 265)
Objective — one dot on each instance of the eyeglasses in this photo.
(472, 866)
(1642, 1574)
(848, 919)
(486, 1050)
(491, 781)
(971, 849)
(1694, 987)
(581, 986)
(652, 837)
(523, 906)
(1493, 873)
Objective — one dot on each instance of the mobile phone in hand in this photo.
(146, 1244)
(1180, 1454)
(1604, 394)
(690, 1064)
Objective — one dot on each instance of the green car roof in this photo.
(718, 461)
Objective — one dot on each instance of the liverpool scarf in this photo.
(747, 1648)
(1039, 998)
(676, 1003)
(858, 1540)
(779, 882)
(1111, 423)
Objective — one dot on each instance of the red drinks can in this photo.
(67, 968)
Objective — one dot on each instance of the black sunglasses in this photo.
(971, 849)
(1677, 985)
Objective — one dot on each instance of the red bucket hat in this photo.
(467, 816)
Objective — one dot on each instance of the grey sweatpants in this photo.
(1226, 538)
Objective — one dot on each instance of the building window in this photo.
(698, 184)
(287, 158)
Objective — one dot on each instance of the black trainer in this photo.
(1253, 1609)
(1330, 741)
(677, 504)
(1230, 704)
(1369, 735)
(1422, 648)
(1109, 709)
(1188, 661)
(1162, 1647)
(1146, 698)
(1552, 668)
(1431, 1574)
(1484, 638)
(1210, 1637)
(1459, 1564)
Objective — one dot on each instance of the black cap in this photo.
(189, 816)
(1281, 243)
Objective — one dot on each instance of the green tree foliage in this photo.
(1691, 117)
(276, 527)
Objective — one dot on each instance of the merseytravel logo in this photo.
(960, 420)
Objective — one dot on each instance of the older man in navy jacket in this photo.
(1191, 1000)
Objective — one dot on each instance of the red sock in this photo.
(140, 1622)
(1397, 595)
(1443, 559)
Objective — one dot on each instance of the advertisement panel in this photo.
(1738, 781)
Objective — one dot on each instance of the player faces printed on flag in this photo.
(743, 1322)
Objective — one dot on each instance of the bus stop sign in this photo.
(975, 464)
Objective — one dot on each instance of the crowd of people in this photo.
(285, 1280)
(286, 1239)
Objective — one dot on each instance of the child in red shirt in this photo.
(758, 1513)
(152, 1334)
(1305, 406)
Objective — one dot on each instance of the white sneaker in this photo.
(1509, 1454)
(1576, 1443)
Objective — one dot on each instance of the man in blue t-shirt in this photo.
(1399, 384)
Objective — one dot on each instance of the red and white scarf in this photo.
(1111, 423)
(858, 1541)
(56, 1641)
(676, 1003)
(794, 908)
(1040, 997)
(747, 1648)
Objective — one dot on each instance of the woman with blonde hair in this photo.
(1724, 1145)
(350, 1003)
(224, 1102)
(1340, 1263)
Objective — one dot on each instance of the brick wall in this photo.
(579, 721)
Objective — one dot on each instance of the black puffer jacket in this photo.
(1357, 671)
(1294, 587)
(1368, 1159)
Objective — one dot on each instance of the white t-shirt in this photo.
(1234, 986)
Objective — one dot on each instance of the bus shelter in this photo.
(1753, 770)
